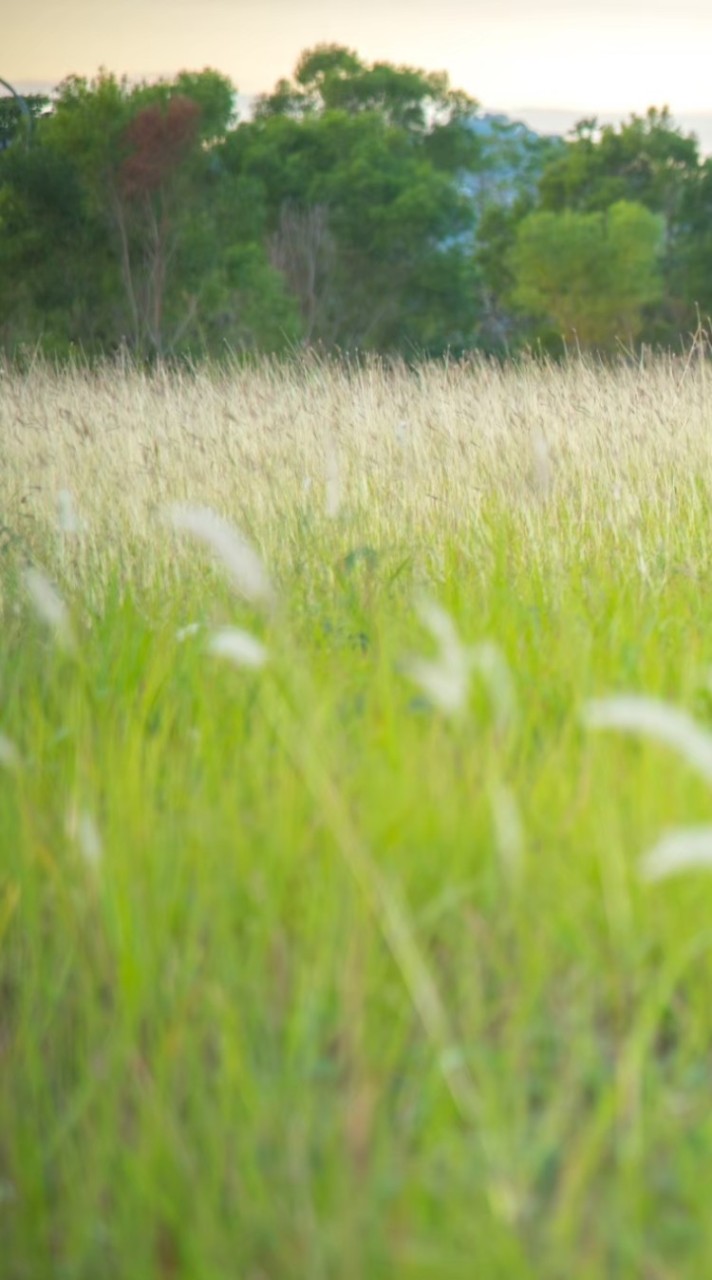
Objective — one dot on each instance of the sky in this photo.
(604, 57)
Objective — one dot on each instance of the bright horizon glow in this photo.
(602, 57)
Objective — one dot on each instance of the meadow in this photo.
(355, 764)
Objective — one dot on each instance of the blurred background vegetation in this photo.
(362, 207)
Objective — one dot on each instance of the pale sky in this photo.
(598, 56)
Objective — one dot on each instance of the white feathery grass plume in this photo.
(9, 754)
(190, 629)
(445, 680)
(508, 831)
(684, 849)
(238, 646)
(49, 606)
(487, 659)
(401, 432)
(237, 556)
(333, 494)
(67, 518)
(542, 473)
(82, 829)
(632, 713)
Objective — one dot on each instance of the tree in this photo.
(56, 268)
(148, 196)
(383, 212)
(500, 325)
(691, 270)
(358, 167)
(121, 224)
(17, 116)
(365, 206)
(647, 159)
(503, 189)
(331, 77)
(140, 153)
(303, 250)
(589, 274)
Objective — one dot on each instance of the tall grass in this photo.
(333, 940)
(579, 457)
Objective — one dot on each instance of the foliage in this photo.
(645, 160)
(148, 218)
(17, 117)
(369, 206)
(333, 78)
(386, 210)
(691, 272)
(589, 274)
(649, 161)
(368, 155)
(57, 280)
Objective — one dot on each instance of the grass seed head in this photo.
(508, 831)
(241, 648)
(237, 556)
(445, 680)
(657, 720)
(9, 754)
(489, 661)
(67, 518)
(84, 832)
(185, 633)
(49, 606)
(333, 494)
(686, 849)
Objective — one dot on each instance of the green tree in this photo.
(590, 275)
(501, 326)
(121, 224)
(691, 271)
(56, 270)
(17, 116)
(386, 219)
(646, 159)
(358, 170)
(331, 77)
(504, 190)
(142, 159)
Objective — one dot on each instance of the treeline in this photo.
(363, 207)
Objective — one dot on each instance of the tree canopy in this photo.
(589, 274)
(363, 206)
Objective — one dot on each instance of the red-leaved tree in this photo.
(157, 144)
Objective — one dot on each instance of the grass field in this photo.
(331, 939)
